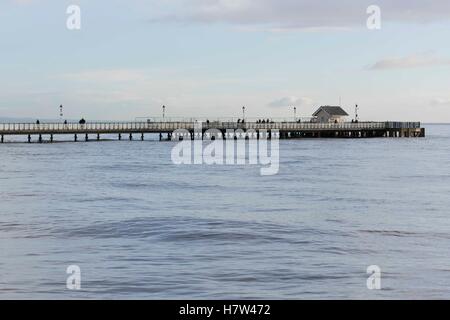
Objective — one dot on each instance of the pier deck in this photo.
(285, 129)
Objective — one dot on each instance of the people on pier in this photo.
(82, 121)
(38, 122)
(239, 121)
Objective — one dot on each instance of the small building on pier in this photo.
(330, 114)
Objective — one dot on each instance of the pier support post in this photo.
(29, 138)
(160, 136)
(120, 137)
(98, 136)
(51, 138)
(2, 139)
(75, 138)
(422, 133)
(40, 138)
(131, 136)
(142, 137)
(86, 137)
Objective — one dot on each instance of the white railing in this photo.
(224, 119)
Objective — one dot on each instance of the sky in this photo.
(208, 58)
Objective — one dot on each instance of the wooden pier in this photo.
(94, 130)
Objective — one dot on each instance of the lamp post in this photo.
(295, 114)
(356, 113)
(61, 111)
(164, 112)
(243, 113)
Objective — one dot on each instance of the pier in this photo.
(137, 129)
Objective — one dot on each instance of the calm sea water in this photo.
(140, 227)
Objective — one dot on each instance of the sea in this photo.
(134, 225)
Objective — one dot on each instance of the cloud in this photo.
(439, 102)
(413, 61)
(107, 75)
(291, 101)
(303, 14)
(23, 2)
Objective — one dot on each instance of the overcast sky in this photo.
(211, 57)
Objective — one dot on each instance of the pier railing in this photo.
(105, 127)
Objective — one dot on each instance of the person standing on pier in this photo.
(82, 122)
